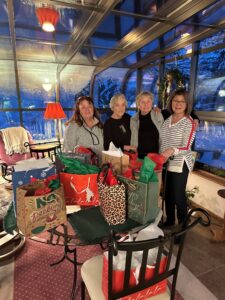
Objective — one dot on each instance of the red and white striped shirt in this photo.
(179, 136)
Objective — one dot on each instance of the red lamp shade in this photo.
(47, 17)
(54, 111)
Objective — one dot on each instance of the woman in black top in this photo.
(117, 127)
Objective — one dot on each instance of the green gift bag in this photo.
(142, 200)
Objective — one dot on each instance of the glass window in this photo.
(210, 144)
(9, 119)
(213, 40)
(107, 84)
(131, 88)
(150, 77)
(74, 81)
(8, 92)
(210, 86)
(37, 83)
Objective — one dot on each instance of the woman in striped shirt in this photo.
(176, 137)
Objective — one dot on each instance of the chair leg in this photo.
(82, 290)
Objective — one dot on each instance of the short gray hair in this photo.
(140, 95)
(115, 98)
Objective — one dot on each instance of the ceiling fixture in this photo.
(47, 17)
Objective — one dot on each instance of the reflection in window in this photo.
(39, 128)
(210, 144)
(37, 83)
(150, 81)
(184, 66)
(107, 84)
(210, 87)
(8, 93)
(9, 119)
(74, 81)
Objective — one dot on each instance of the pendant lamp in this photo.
(47, 17)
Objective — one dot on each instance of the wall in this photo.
(207, 196)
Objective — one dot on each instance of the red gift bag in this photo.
(80, 189)
(118, 279)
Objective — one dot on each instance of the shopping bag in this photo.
(118, 280)
(118, 160)
(142, 200)
(23, 177)
(113, 202)
(80, 189)
(82, 157)
(36, 214)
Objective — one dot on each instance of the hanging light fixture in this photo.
(47, 17)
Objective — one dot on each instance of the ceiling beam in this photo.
(155, 19)
(175, 11)
(80, 37)
(13, 41)
(71, 5)
(181, 43)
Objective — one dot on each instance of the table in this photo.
(85, 227)
(40, 149)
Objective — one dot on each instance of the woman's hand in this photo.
(168, 153)
(128, 148)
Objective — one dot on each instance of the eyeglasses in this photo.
(179, 102)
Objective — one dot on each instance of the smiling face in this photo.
(145, 104)
(119, 108)
(86, 110)
(179, 105)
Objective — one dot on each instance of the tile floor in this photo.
(204, 258)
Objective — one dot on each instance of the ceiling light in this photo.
(48, 18)
(184, 35)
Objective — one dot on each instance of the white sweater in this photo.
(179, 136)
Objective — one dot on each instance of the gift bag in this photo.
(142, 200)
(23, 177)
(117, 159)
(82, 157)
(80, 189)
(113, 202)
(118, 280)
(36, 214)
(112, 197)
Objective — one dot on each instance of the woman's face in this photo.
(86, 109)
(179, 105)
(119, 108)
(145, 105)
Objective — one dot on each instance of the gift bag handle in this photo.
(104, 170)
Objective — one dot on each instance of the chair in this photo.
(7, 160)
(91, 270)
(46, 149)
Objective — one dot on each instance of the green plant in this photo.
(191, 193)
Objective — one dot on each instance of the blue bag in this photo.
(23, 177)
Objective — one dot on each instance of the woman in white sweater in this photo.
(176, 137)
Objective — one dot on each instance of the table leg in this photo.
(75, 265)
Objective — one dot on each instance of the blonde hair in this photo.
(115, 98)
(140, 95)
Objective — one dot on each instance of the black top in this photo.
(148, 136)
(117, 131)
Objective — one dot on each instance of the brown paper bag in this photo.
(36, 214)
(119, 163)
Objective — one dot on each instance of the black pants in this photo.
(175, 195)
